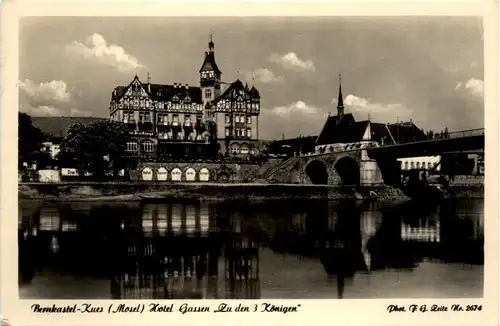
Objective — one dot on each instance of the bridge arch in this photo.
(317, 172)
(348, 170)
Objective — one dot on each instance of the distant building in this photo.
(180, 120)
(421, 163)
(342, 133)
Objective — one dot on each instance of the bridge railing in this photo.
(467, 133)
(453, 134)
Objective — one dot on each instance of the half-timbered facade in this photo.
(171, 121)
(236, 115)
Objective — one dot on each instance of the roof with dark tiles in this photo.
(163, 92)
(209, 63)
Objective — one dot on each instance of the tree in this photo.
(446, 133)
(96, 148)
(30, 140)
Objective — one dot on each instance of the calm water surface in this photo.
(284, 249)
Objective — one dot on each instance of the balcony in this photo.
(175, 124)
(163, 123)
(164, 136)
(129, 121)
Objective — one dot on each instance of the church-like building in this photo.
(180, 120)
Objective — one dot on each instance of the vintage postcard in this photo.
(249, 163)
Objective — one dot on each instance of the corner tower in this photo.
(210, 75)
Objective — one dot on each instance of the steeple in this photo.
(211, 45)
(340, 102)
(209, 67)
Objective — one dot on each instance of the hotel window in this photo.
(148, 146)
(131, 147)
(175, 118)
(406, 165)
(249, 132)
(147, 104)
(418, 165)
(249, 120)
(227, 132)
(208, 93)
(228, 118)
(128, 116)
(412, 165)
(160, 105)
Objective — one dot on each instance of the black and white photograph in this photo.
(313, 157)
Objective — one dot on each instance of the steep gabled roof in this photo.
(161, 92)
(406, 132)
(254, 92)
(333, 129)
(379, 131)
(118, 93)
(209, 63)
(236, 85)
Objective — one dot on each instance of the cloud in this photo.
(294, 119)
(379, 112)
(473, 86)
(96, 48)
(264, 76)
(56, 90)
(298, 107)
(47, 99)
(292, 61)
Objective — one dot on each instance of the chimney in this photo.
(175, 85)
(187, 86)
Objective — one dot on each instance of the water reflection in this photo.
(196, 250)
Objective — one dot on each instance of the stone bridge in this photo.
(335, 168)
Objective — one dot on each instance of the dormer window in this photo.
(187, 99)
(175, 98)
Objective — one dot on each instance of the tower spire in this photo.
(340, 101)
(211, 44)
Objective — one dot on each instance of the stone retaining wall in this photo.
(193, 172)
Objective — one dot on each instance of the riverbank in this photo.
(121, 191)
(135, 191)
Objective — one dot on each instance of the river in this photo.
(279, 249)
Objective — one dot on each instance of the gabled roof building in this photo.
(179, 120)
(342, 132)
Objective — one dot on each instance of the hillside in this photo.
(58, 126)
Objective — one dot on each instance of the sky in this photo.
(427, 69)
